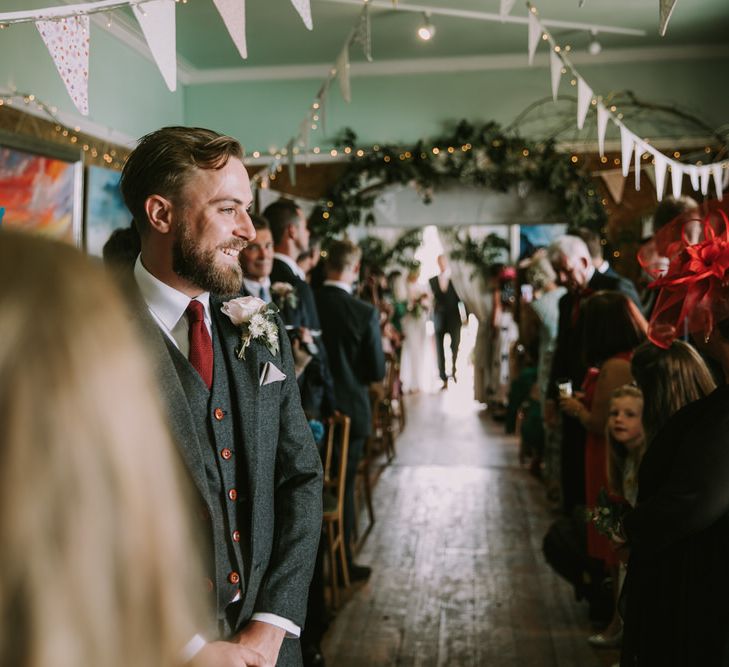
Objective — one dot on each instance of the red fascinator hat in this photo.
(689, 260)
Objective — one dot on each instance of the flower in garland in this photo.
(257, 321)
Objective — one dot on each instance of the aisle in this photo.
(459, 578)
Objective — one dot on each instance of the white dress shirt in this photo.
(167, 306)
(291, 264)
(254, 288)
(338, 283)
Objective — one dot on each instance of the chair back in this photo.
(337, 441)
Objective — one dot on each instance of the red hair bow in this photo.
(690, 260)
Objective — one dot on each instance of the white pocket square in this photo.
(270, 374)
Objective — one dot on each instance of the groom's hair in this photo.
(342, 255)
(162, 161)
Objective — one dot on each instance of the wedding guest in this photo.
(233, 405)
(613, 328)
(678, 582)
(446, 318)
(540, 322)
(351, 335)
(122, 248)
(256, 260)
(290, 239)
(594, 244)
(505, 332)
(573, 265)
(626, 442)
(97, 562)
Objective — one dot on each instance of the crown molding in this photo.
(513, 61)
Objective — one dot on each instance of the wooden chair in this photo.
(337, 440)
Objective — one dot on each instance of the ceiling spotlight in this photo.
(426, 32)
(594, 47)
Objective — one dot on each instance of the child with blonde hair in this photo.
(626, 441)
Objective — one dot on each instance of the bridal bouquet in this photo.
(607, 514)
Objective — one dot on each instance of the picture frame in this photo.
(41, 187)
(105, 208)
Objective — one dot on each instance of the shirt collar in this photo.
(603, 267)
(338, 283)
(291, 264)
(254, 286)
(166, 303)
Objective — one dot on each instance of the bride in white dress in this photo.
(415, 370)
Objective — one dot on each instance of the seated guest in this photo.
(96, 548)
(351, 335)
(256, 260)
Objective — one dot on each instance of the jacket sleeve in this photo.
(372, 362)
(297, 506)
(560, 365)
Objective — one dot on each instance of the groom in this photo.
(237, 422)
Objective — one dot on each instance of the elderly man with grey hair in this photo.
(575, 270)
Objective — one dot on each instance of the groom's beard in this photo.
(203, 268)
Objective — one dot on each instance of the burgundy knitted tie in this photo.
(201, 347)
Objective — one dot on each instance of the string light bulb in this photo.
(426, 32)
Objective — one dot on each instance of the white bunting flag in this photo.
(693, 172)
(555, 66)
(157, 20)
(233, 13)
(626, 144)
(676, 178)
(343, 74)
(304, 9)
(67, 40)
(615, 183)
(716, 171)
(506, 7)
(665, 11)
(602, 118)
(661, 166)
(638, 153)
(535, 34)
(705, 175)
(584, 97)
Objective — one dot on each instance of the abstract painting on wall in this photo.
(105, 209)
(41, 194)
(532, 237)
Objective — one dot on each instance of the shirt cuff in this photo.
(293, 631)
(192, 648)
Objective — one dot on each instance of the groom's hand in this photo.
(262, 638)
(229, 654)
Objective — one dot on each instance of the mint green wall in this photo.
(126, 91)
(407, 108)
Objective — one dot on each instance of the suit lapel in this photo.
(179, 414)
(243, 374)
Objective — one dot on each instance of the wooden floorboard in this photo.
(458, 574)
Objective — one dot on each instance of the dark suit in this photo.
(305, 314)
(446, 320)
(351, 335)
(250, 455)
(568, 363)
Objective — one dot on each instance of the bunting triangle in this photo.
(584, 97)
(693, 172)
(304, 9)
(602, 118)
(705, 175)
(716, 171)
(233, 13)
(615, 183)
(67, 40)
(676, 178)
(343, 74)
(535, 34)
(626, 145)
(555, 66)
(506, 7)
(291, 161)
(363, 32)
(157, 20)
(660, 171)
(665, 11)
(638, 153)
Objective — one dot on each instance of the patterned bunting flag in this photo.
(67, 40)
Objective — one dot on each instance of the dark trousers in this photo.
(573, 464)
(354, 456)
(455, 333)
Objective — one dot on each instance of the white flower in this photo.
(241, 310)
(281, 289)
(257, 325)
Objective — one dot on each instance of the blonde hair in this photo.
(96, 549)
(617, 453)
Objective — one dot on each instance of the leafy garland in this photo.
(376, 253)
(483, 156)
(482, 255)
